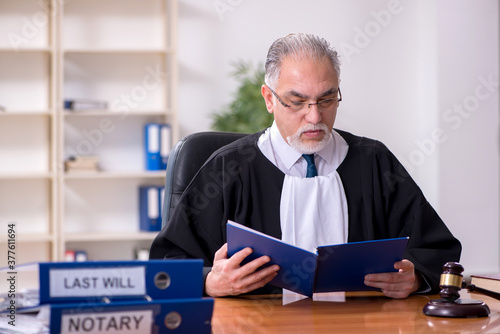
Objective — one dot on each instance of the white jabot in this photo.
(313, 211)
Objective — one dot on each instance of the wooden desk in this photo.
(354, 313)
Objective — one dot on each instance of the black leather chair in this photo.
(187, 157)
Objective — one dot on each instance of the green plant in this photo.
(247, 113)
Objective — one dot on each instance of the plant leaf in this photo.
(247, 113)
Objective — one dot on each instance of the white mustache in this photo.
(295, 141)
(312, 127)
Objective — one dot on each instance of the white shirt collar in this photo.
(290, 156)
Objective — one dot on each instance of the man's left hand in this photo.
(398, 284)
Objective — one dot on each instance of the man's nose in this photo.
(313, 115)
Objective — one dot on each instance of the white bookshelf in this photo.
(28, 128)
(118, 51)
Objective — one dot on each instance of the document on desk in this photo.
(333, 268)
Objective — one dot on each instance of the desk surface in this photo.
(350, 313)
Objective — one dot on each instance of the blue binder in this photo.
(334, 267)
(141, 317)
(165, 144)
(162, 198)
(63, 282)
(297, 266)
(150, 206)
(343, 267)
(152, 146)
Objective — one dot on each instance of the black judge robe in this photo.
(239, 183)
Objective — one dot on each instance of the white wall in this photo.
(407, 69)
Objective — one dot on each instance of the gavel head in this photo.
(451, 281)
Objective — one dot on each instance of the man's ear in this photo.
(268, 98)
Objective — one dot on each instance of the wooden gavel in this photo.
(450, 305)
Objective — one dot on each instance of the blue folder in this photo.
(159, 316)
(343, 267)
(152, 146)
(333, 268)
(150, 206)
(120, 280)
(165, 144)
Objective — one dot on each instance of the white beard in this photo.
(311, 147)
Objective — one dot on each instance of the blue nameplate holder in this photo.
(120, 280)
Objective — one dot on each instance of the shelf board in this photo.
(114, 175)
(85, 113)
(14, 113)
(32, 238)
(98, 51)
(24, 175)
(109, 236)
(6, 49)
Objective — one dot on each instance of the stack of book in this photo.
(122, 297)
(82, 164)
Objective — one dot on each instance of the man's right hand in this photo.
(229, 278)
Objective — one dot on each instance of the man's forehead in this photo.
(307, 69)
(312, 80)
(293, 61)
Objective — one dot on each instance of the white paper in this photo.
(97, 282)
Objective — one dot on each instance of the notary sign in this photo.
(97, 282)
(126, 322)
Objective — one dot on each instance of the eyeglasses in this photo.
(298, 106)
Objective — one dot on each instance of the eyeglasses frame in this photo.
(308, 104)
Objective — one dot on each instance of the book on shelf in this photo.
(85, 104)
(82, 164)
(332, 268)
(141, 254)
(71, 255)
(489, 282)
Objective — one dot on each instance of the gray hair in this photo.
(298, 45)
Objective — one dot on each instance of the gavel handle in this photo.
(470, 287)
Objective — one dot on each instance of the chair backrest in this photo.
(187, 157)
